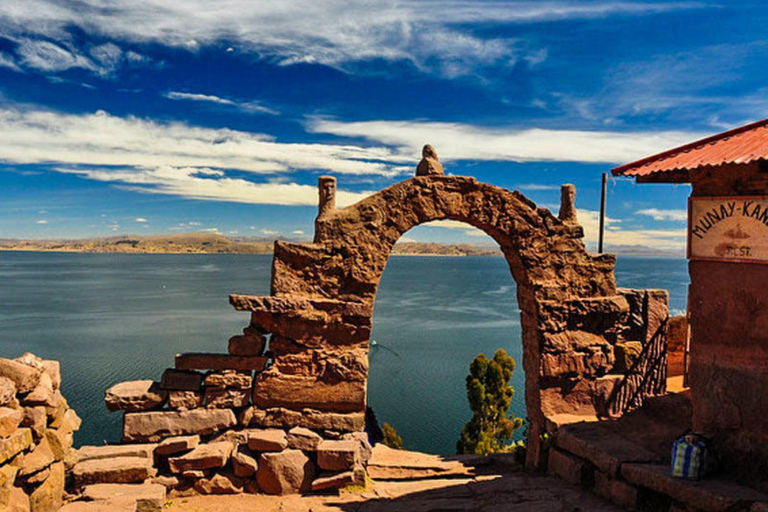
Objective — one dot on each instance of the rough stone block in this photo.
(206, 456)
(153, 426)
(273, 389)
(333, 481)
(145, 497)
(7, 478)
(144, 451)
(10, 419)
(616, 491)
(286, 472)
(53, 369)
(229, 379)
(60, 442)
(24, 377)
(38, 459)
(135, 396)
(7, 391)
(15, 444)
(220, 483)
(569, 468)
(43, 394)
(36, 419)
(309, 418)
(338, 455)
(118, 470)
(48, 497)
(177, 380)
(627, 353)
(301, 438)
(269, 440)
(198, 361)
(185, 400)
(247, 345)
(226, 398)
(174, 445)
(244, 462)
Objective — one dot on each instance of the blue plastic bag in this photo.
(691, 457)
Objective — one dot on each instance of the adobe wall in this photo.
(729, 339)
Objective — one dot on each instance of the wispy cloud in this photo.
(139, 219)
(455, 141)
(656, 214)
(246, 106)
(536, 187)
(438, 35)
(41, 221)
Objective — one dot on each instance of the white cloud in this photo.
(656, 214)
(455, 224)
(103, 139)
(439, 35)
(297, 232)
(536, 187)
(140, 219)
(669, 240)
(268, 232)
(7, 61)
(209, 230)
(456, 141)
(50, 57)
(246, 106)
(41, 221)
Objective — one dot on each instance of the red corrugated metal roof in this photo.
(738, 146)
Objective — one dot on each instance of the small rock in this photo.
(181, 380)
(219, 484)
(153, 426)
(48, 497)
(7, 391)
(286, 472)
(226, 398)
(135, 396)
(184, 400)
(120, 470)
(37, 478)
(247, 345)
(31, 360)
(169, 482)
(38, 459)
(302, 438)
(333, 481)
(53, 369)
(229, 379)
(9, 421)
(244, 462)
(366, 450)
(194, 474)
(179, 444)
(7, 478)
(43, 394)
(23, 376)
(60, 442)
(15, 444)
(36, 419)
(205, 456)
(338, 455)
(268, 440)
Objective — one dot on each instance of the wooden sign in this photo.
(728, 228)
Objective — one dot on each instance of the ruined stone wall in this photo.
(36, 434)
(729, 340)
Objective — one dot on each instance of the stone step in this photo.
(201, 361)
(710, 494)
(389, 464)
(87, 453)
(120, 470)
(145, 497)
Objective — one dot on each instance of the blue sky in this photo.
(151, 116)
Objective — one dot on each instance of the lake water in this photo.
(114, 317)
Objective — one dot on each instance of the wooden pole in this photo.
(602, 213)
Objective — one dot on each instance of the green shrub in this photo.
(391, 438)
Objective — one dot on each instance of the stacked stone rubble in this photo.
(198, 430)
(36, 435)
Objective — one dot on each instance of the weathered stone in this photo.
(144, 451)
(338, 455)
(236, 437)
(135, 396)
(36, 478)
(18, 501)
(226, 398)
(244, 462)
(616, 491)
(174, 445)
(146, 497)
(309, 418)
(185, 400)
(57, 411)
(177, 380)
(117, 470)
(7, 478)
(286, 472)
(48, 497)
(569, 468)
(153, 426)
(595, 361)
(43, 394)
(15, 444)
(38, 459)
(302, 438)
(195, 474)
(366, 450)
(229, 379)
(9, 420)
(333, 481)
(198, 361)
(7, 391)
(247, 345)
(269, 440)
(169, 482)
(205, 456)
(53, 369)
(36, 419)
(60, 442)
(429, 165)
(68, 421)
(219, 484)
(627, 353)
(100, 506)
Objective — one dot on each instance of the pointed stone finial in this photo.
(568, 204)
(326, 188)
(430, 165)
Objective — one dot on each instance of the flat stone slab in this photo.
(336, 481)
(389, 464)
(14, 444)
(200, 361)
(269, 440)
(229, 379)
(603, 448)
(205, 456)
(9, 421)
(135, 396)
(338, 455)
(25, 377)
(302, 438)
(99, 506)
(174, 445)
(87, 453)
(120, 470)
(710, 494)
(145, 497)
(180, 380)
(154, 426)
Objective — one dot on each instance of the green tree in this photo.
(489, 395)
(391, 438)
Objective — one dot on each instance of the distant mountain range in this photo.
(217, 243)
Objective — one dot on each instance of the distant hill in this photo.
(213, 243)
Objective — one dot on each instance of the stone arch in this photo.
(322, 295)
